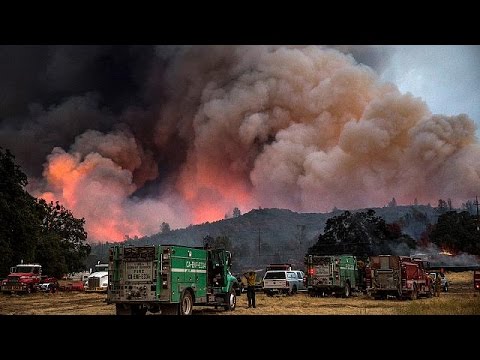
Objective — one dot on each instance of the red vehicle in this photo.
(23, 278)
(398, 276)
(283, 266)
(476, 279)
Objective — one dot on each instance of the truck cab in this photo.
(97, 281)
(22, 278)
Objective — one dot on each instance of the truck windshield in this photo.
(101, 267)
(26, 269)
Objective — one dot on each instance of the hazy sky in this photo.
(446, 77)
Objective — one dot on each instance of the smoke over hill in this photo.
(130, 137)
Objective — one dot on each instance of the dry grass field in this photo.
(461, 299)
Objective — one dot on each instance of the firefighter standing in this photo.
(251, 279)
(438, 284)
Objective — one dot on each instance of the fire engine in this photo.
(170, 279)
(399, 276)
(22, 278)
(476, 279)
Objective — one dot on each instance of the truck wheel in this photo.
(429, 292)
(414, 294)
(123, 309)
(29, 290)
(445, 288)
(294, 289)
(186, 303)
(169, 309)
(138, 310)
(346, 290)
(231, 300)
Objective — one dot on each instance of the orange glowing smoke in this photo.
(97, 189)
(212, 192)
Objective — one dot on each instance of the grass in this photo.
(457, 305)
(460, 300)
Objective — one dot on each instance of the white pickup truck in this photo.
(282, 282)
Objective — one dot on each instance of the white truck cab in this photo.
(97, 281)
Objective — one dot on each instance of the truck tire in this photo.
(414, 293)
(347, 290)
(138, 310)
(231, 300)
(169, 309)
(294, 290)
(186, 303)
(123, 309)
(445, 288)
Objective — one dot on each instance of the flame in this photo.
(446, 251)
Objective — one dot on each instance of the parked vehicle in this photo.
(336, 274)
(301, 283)
(281, 282)
(279, 266)
(28, 278)
(97, 281)
(48, 285)
(170, 279)
(476, 279)
(399, 276)
(22, 278)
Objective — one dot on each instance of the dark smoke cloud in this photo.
(50, 94)
(131, 136)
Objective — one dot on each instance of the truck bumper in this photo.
(14, 288)
(97, 289)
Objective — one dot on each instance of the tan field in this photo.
(461, 299)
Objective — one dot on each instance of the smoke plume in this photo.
(185, 134)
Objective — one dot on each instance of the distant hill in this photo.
(264, 236)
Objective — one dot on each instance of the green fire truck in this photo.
(339, 274)
(169, 279)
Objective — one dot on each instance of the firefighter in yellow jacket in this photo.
(251, 277)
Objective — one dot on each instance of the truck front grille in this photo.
(93, 282)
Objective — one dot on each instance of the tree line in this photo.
(33, 230)
(364, 234)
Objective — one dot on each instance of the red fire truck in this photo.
(23, 278)
(398, 276)
(476, 279)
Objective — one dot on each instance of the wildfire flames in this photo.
(307, 129)
(446, 252)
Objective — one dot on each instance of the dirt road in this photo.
(79, 303)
